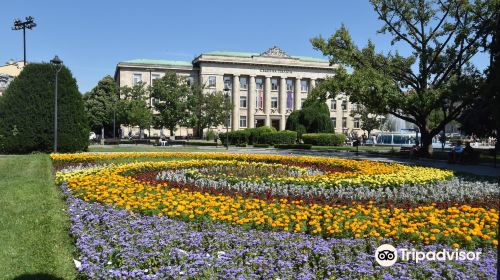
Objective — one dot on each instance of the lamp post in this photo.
(18, 25)
(226, 92)
(114, 117)
(57, 66)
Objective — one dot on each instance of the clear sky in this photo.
(92, 36)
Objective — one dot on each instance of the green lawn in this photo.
(35, 242)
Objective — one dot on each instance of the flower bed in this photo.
(251, 212)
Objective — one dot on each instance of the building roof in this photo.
(272, 52)
(158, 62)
(250, 54)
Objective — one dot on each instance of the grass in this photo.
(35, 242)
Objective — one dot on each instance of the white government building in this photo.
(265, 87)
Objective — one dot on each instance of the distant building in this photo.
(8, 72)
(266, 86)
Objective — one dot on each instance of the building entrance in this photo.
(259, 123)
(275, 124)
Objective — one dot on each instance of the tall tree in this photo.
(170, 92)
(27, 112)
(483, 119)
(205, 110)
(100, 104)
(443, 37)
(134, 109)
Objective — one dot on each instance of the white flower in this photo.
(78, 264)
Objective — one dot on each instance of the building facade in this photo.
(264, 87)
(8, 72)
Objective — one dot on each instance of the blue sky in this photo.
(92, 36)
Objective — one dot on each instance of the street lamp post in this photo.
(29, 24)
(114, 117)
(57, 66)
(226, 91)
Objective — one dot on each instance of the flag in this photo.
(261, 97)
(289, 99)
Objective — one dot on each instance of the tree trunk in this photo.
(426, 145)
(102, 135)
(172, 133)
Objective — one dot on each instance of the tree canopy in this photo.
(27, 112)
(438, 75)
(100, 103)
(170, 93)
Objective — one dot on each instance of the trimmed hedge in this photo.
(261, 145)
(280, 137)
(324, 139)
(195, 143)
(256, 132)
(235, 137)
(294, 146)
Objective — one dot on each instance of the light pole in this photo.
(57, 66)
(226, 92)
(114, 117)
(18, 25)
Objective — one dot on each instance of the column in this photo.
(267, 100)
(312, 85)
(296, 97)
(251, 102)
(235, 123)
(282, 105)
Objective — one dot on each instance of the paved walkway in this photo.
(474, 169)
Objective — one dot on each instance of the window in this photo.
(333, 104)
(259, 84)
(154, 77)
(334, 122)
(227, 82)
(243, 83)
(344, 105)
(189, 81)
(302, 102)
(211, 81)
(274, 102)
(304, 86)
(243, 121)
(137, 79)
(318, 82)
(289, 85)
(274, 84)
(356, 123)
(354, 106)
(243, 101)
(344, 122)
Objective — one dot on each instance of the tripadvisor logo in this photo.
(386, 255)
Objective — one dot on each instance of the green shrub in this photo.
(256, 132)
(280, 137)
(241, 145)
(314, 117)
(294, 146)
(324, 139)
(261, 145)
(235, 137)
(210, 135)
(199, 143)
(27, 112)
